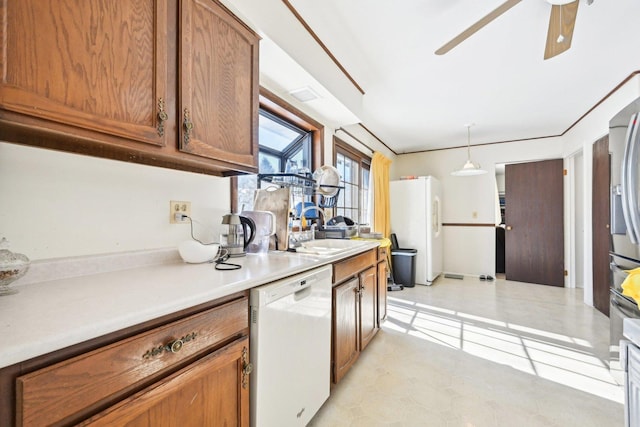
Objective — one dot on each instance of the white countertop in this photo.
(47, 316)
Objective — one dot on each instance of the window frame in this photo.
(364, 163)
(278, 107)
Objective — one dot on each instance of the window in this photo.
(282, 147)
(354, 168)
(287, 139)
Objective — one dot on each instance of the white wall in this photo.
(57, 204)
(500, 182)
(579, 224)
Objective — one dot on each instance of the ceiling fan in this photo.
(561, 24)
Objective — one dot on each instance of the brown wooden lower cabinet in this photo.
(383, 271)
(187, 369)
(368, 306)
(355, 310)
(209, 392)
(346, 333)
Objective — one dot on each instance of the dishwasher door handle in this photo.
(302, 294)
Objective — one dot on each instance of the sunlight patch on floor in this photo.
(556, 357)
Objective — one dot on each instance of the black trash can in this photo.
(403, 264)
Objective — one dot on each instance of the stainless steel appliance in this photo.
(290, 348)
(620, 307)
(239, 232)
(624, 145)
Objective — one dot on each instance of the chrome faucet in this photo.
(308, 208)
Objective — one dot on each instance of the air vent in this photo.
(305, 94)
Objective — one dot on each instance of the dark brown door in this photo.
(534, 241)
(600, 212)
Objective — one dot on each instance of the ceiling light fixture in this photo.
(304, 94)
(560, 37)
(469, 167)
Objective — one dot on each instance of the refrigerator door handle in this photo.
(632, 181)
(627, 172)
(435, 217)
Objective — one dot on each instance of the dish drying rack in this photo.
(301, 185)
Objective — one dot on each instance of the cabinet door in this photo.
(345, 327)
(218, 85)
(212, 391)
(368, 311)
(79, 65)
(382, 292)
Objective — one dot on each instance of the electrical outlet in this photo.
(178, 207)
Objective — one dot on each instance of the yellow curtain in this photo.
(381, 208)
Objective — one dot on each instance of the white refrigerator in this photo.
(416, 207)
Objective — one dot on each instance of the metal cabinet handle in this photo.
(162, 117)
(247, 367)
(188, 126)
(172, 347)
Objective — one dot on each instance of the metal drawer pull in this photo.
(172, 347)
(162, 117)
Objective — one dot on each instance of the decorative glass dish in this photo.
(12, 267)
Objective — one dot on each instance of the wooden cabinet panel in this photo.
(344, 269)
(345, 327)
(58, 392)
(94, 65)
(368, 303)
(157, 82)
(382, 254)
(382, 292)
(356, 308)
(209, 392)
(218, 85)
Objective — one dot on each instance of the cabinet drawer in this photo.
(382, 254)
(186, 398)
(91, 380)
(344, 269)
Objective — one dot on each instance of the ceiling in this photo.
(497, 79)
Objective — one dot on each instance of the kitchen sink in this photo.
(329, 246)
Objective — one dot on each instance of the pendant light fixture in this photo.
(560, 37)
(469, 167)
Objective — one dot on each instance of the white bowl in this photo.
(194, 252)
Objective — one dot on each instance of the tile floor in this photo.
(470, 353)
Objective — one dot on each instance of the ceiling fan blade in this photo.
(477, 26)
(556, 28)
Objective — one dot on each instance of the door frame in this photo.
(571, 212)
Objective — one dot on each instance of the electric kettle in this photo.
(239, 232)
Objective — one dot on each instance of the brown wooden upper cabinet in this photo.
(172, 83)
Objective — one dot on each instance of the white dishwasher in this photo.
(290, 348)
